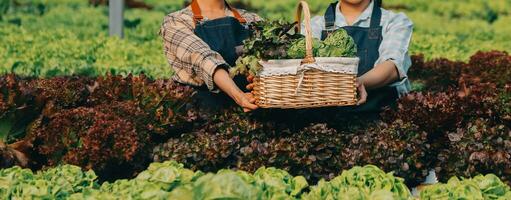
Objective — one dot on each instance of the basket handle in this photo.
(304, 7)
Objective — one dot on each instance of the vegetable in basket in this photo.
(338, 44)
(277, 41)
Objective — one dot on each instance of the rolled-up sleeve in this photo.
(185, 51)
(395, 43)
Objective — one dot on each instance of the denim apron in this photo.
(368, 41)
(222, 35)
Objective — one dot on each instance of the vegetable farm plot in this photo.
(87, 116)
(46, 38)
(460, 128)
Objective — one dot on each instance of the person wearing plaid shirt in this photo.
(382, 38)
(200, 43)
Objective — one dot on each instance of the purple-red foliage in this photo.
(106, 89)
(480, 147)
(437, 74)
(483, 67)
(163, 100)
(11, 95)
(42, 94)
(431, 112)
(55, 94)
(470, 128)
(460, 125)
(101, 123)
(88, 137)
(398, 146)
(492, 66)
(313, 152)
(440, 112)
(316, 151)
(504, 105)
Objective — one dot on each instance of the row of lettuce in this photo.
(48, 37)
(170, 180)
(460, 127)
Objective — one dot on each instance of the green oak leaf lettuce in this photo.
(55, 183)
(297, 48)
(224, 185)
(367, 182)
(277, 182)
(479, 187)
(338, 44)
(168, 175)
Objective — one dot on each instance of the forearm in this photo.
(189, 55)
(225, 83)
(381, 75)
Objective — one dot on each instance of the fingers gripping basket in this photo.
(308, 83)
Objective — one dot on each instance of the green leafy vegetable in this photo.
(279, 183)
(479, 187)
(338, 44)
(56, 183)
(361, 183)
(224, 185)
(168, 175)
(297, 48)
(170, 180)
(277, 40)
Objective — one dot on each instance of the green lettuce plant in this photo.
(55, 183)
(361, 183)
(479, 187)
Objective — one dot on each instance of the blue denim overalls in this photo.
(222, 35)
(368, 41)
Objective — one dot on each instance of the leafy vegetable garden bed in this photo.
(460, 127)
(169, 180)
(47, 38)
(78, 133)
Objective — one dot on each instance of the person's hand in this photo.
(250, 80)
(227, 85)
(362, 93)
(246, 101)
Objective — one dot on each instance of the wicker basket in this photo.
(309, 87)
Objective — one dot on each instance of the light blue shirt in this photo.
(397, 32)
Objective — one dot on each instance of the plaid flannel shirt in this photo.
(397, 33)
(193, 61)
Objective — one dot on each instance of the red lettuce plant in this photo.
(480, 147)
(398, 146)
(434, 113)
(504, 105)
(89, 137)
(492, 66)
(441, 112)
(211, 147)
(483, 67)
(24, 100)
(102, 123)
(58, 93)
(164, 100)
(12, 156)
(315, 151)
(312, 152)
(436, 75)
